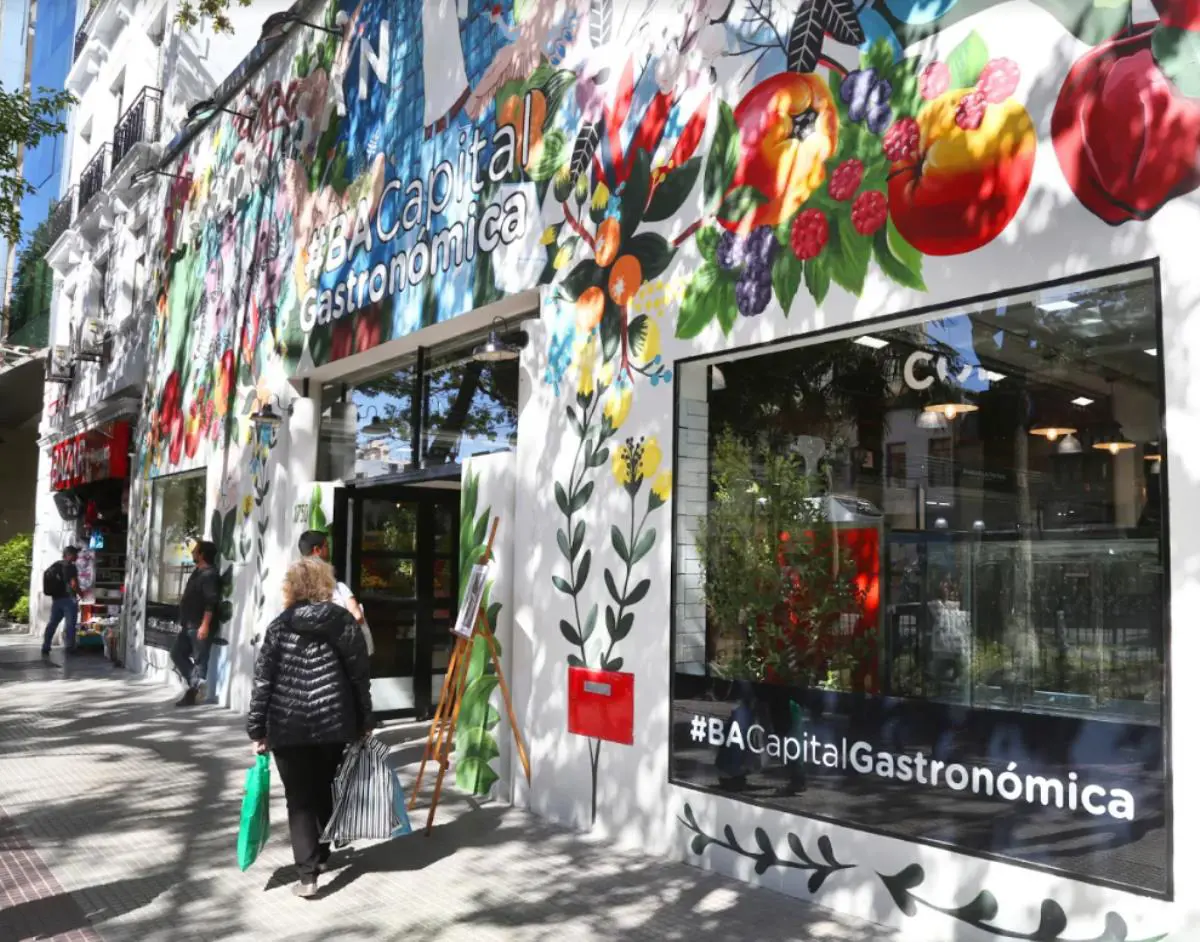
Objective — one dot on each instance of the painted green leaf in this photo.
(225, 612)
(900, 886)
(560, 497)
(786, 275)
(228, 531)
(639, 329)
(966, 61)
(563, 545)
(697, 309)
(552, 157)
(644, 544)
(893, 267)
(569, 632)
(577, 539)
(622, 628)
(722, 158)
(706, 243)
(619, 544)
(589, 623)
(585, 567)
(214, 528)
(638, 593)
(477, 710)
(670, 195)
(652, 251)
(474, 776)
(582, 496)
(1177, 52)
(635, 195)
(562, 585)
(615, 664)
(878, 57)
(584, 275)
(610, 328)
(740, 203)
(850, 255)
(611, 584)
(724, 300)
(575, 661)
(816, 278)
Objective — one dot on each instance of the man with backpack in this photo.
(60, 582)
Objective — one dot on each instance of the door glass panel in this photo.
(443, 579)
(445, 523)
(389, 526)
(394, 631)
(471, 407)
(389, 575)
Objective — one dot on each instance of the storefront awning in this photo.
(125, 407)
(21, 384)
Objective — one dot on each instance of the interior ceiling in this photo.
(20, 393)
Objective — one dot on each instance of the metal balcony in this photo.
(138, 125)
(81, 35)
(94, 175)
(62, 213)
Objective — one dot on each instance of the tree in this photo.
(189, 13)
(24, 120)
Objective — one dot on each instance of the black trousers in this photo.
(308, 773)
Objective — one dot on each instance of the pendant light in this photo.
(1152, 454)
(376, 426)
(495, 350)
(1052, 422)
(1069, 444)
(952, 409)
(1111, 438)
(931, 421)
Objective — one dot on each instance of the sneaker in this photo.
(202, 691)
(188, 699)
(305, 890)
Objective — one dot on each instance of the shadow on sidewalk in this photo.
(62, 913)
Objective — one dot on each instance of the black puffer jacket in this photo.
(312, 680)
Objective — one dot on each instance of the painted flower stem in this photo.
(635, 531)
(578, 227)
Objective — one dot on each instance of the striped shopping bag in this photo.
(363, 796)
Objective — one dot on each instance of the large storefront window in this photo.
(434, 409)
(924, 591)
(177, 521)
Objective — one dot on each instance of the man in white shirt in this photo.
(316, 543)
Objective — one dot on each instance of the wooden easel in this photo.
(440, 744)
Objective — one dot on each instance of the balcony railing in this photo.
(61, 214)
(138, 125)
(81, 35)
(94, 175)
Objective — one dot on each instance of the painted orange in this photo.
(608, 242)
(625, 279)
(512, 111)
(589, 309)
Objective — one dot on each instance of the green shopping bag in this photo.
(256, 812)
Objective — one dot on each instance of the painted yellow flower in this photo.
(661, 488)
(587, 381)
(616, 408)
(600, 197)
(607, 371)
(651, 343)
(247, 505)
(562, 257)
(549, 235)
(651, 458)
(621, 465)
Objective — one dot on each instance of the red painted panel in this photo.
(600, 704)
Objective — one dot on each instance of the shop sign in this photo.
(937, 367)
(96, 455)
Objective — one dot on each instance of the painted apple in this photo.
(1183, 14)
(964, 184)
(1126, 139)
(788, 129)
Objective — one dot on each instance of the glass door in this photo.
(404, 571)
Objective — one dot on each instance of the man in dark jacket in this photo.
(311, 696)
(199, 622)
(62, 579)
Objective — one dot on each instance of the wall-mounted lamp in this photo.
(377, 426)
(496, 350)
(273, 26)
(266, 417)
(201, 108)
(149, 172)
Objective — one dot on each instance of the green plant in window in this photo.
(779, 586)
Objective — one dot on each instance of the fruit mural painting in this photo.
(1125, 130)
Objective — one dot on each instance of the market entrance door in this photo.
(403, 567)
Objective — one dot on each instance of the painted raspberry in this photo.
(869, 212)
(810, 233)
(845, 180)
(998, 80)
(935, 80)
(752, 293)
(731, 251)
(970, 111)
(902, 140)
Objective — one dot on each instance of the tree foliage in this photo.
(25, 118)
(216, 10)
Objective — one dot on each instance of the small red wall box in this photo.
(600, 704)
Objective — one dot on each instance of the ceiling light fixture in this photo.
(495, 350)
(377, 426)
(1151, 351)
(931, 421)
(874, 343)
(1082, 401)
(1057, 306)
(1070, 445)
(1111, 438)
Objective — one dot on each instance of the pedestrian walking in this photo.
(311, 696)
(60, 582)
(315, 543)
(199, 623)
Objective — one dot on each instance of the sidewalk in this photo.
(118, 819)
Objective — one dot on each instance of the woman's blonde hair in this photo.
(308, 580)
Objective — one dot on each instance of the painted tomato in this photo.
(176, 433)
(1183, 14)
(169, 402)
(1126, 139)
(225, 383)
(788, 129)
(963, 185)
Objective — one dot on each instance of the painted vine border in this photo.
(980, 913)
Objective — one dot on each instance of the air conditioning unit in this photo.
(60, 365)
(93, 338)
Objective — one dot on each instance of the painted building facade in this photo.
(840, 556)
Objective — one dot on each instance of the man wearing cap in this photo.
(61, 583)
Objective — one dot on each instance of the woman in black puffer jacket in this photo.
(312, 696)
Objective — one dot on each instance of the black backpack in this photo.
(53, 583)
